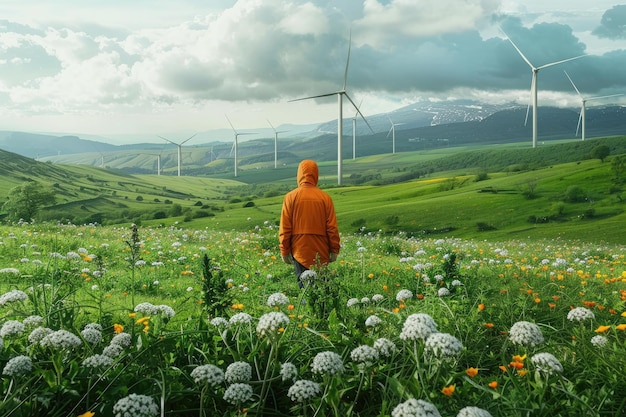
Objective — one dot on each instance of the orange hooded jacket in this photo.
(308, 223)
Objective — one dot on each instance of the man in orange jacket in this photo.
(308, 233)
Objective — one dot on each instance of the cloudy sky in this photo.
(136, 69)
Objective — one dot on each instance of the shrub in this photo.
(248, 204)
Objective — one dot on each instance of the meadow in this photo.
(153, 320)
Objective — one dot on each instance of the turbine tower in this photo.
(392, 132)
(180, 146)
(533, 84)
(584, 102)
(235, 146)
(340, 94)
(276, 132)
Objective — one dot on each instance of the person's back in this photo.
(308, 232)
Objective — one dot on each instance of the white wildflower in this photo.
(19, 365)
(304, 390)
(472, 411)
(443, 345)
(580, 314)
(12, 328)
(404, 295)
(208, 374)
(547, 363)
(418, 326)
(277, 299)
(526, 334)
(61, 339)
(327, 363)
(238, 393)
(415, 408)
(288, 371)
(599, 341)
(238, 372)
(98, 361)
(373, 321)
(12, 296)
(385, 347)
(364, 354)
(271, 323)
(136, 405)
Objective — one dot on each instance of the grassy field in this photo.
(404, 192)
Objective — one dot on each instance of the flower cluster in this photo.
(404, 295)
(443, 345)
(270, 323)
(327, 363)
(240, 318)
(207, 374)
(415, 408)
(238, 372)
(303, 390)
(12, 296)
(136, 405)
(418, 326)
(38, 333)
(61, 340)
(599, 341)
(92, 335)
(373, 321)
(526, 334)
(385, 347)
(547, 363)
(364, 354)
(288, 371)
(471, 411)
(308, 276)
(277, 299)
(580, 314)
(238, 393)
(98, 361)
(12, 328)
(122, 339)
(19, 365)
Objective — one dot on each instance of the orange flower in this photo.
(385, 288)
(602, 329)
(396, 310)
(537, 300)
(518, 358)
(420, 296)
(118, 328)
(522, 372)
(621, 326)
(502, 368)
(290, 307)
(551, 305)
(448, 391)
(516, 365)
(87, 414)
(493, 384)
(471, 372)
(489, 325)
(481, 307)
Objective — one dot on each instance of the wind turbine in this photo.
(392, 132)
(276, 132)
(584, 102)
(235, 143)
(180, 146)
(340, 94)
(533, 84)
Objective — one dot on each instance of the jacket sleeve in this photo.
(332, 229)
(286, 227)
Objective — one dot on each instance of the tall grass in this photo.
(199, 322)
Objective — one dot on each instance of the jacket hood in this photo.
(308, 173)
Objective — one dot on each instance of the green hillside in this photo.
(556, 191)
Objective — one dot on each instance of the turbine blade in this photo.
(231, 125)
(560, 62)
(573, 85)
(345, 75)
(268, 121)
(318, 96)
(359, 111)
(597, 98)
(580, 118)
(167, 140)
(390, 129)
(517, 49)
(532, 84)
(189, 138)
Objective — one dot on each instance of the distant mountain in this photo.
(421, 125)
